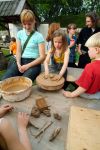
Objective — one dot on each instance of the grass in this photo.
(5, 52)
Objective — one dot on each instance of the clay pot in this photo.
(16, 88)
(49, 84)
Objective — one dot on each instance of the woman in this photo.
(30, 49)
(90, 29)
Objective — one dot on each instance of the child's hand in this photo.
(56, 78)
(46, 75)
(4, 109)
(66, 93)
(23, 119)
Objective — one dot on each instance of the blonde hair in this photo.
(58, 33)
(94, 40)
(27, 15)
(53, 27)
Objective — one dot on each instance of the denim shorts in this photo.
(91, 96)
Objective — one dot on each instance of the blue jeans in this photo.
(31, 73)
(91, 96)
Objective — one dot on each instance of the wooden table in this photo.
(58, 103)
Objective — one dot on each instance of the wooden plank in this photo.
(73, 74)
(83, 129)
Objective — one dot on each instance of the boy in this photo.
(89, 81)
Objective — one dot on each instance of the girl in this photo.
(71, 39)
(28, 61)
(89, 81)
(59, 53)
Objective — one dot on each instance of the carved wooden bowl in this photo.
(48, 84)
(16, 88)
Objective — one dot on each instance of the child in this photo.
(89, 81)
(59, 53)
(8, 137)
(13, 46)
(52, 28)
(28, 61)
(71, 39)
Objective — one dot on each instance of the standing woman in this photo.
(29, 56)
(90, 29)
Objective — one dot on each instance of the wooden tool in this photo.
(55, 133)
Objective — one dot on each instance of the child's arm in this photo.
(72, 43)
(64, 67)
(75, 93)
(79, 49)
(46, 63)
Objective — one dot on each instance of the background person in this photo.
(52, 28)
(90, 29)
(71, 39)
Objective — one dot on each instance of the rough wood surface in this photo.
(83, 129)
(49, 84)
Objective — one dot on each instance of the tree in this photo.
(49, 9)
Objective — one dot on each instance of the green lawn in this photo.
(5, 52)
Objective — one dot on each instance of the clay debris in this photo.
(41, 107)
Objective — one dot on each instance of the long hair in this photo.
(53, 27)
(58, 33)
(94, 18)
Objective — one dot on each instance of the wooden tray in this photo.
(48, 84)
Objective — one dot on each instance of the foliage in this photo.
(91, 5)
(79, 20)
(49, 9)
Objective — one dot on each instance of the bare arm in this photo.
(66, 59)
(79, 49)
(75, 93)
(18, 53)
(10, 136)
(46, 63)
(72, 43)
(23, 120)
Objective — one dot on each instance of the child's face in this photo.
(92, 52)
(72, 30)
(28, 26)
(58, 42)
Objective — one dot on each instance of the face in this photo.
(28, 26)
(72, 30)
(89, 22)
(92, 52)
(57, 42)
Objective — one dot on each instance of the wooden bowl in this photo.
(48, 84)
(16, 88)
